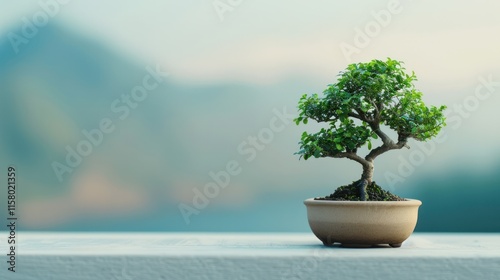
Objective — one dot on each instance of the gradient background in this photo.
(227, 75)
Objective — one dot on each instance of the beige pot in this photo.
(362, 222)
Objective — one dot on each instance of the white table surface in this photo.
(247, 256)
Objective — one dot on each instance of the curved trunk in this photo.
(366, 179)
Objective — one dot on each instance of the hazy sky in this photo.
(264, 41)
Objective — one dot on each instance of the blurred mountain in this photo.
(58, 85)
(61, 84)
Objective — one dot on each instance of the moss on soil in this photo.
(351, 193)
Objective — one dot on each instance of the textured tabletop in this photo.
(247, 256)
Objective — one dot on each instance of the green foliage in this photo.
(345, 136)
(365, 96)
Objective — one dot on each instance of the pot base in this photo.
(393, 245)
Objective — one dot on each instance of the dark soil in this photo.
(351, 193)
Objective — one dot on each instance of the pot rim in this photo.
(407, 202)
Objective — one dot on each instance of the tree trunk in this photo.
(366, 179)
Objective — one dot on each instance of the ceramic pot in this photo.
(362, 222)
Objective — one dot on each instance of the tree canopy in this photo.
(366, 96)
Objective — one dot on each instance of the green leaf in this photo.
(369, 145)
(317, 153)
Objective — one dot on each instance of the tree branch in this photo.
(351, 156)
(374, 106)
(319, 119)
(380, 107)
(354, 115)
(362, 115)
(387, 146)
(384, 137)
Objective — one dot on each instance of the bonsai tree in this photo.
(367, 98)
